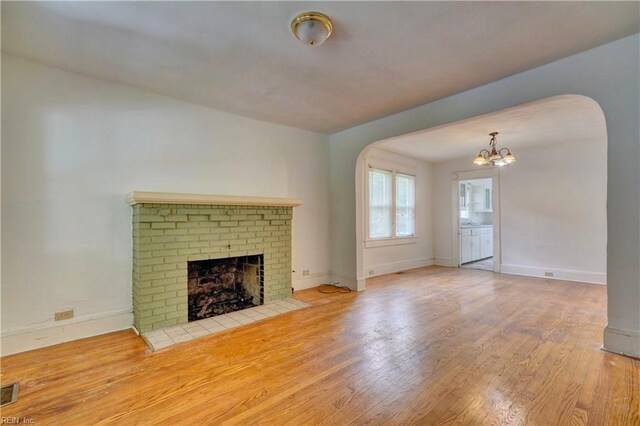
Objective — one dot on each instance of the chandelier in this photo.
(494, 157)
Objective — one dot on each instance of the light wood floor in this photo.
(430, 346)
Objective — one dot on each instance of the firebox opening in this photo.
(220, 286)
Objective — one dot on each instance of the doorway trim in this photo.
(494, 174)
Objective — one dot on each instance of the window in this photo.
(380, 205)
(405, 205)
(391, 204)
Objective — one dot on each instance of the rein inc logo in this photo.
(16, 421)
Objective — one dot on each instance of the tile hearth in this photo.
(169, 336)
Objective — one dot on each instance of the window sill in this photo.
(385, 242)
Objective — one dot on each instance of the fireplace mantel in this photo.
(139, 197)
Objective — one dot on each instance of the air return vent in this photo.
(10, 393)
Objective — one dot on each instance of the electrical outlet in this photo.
(548, 274)
(371, 272)
(305, 272)
(64, 315)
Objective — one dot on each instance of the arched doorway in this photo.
(528, 128)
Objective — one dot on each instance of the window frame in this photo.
(394, 169)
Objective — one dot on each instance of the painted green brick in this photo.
(166, 323)
(179, 238)
(152, 261)
(177, 231)
(176, 245)
(150, 218)
(182, 225)
(163, 225)
(166, 266)
(176, 218)
(163, 239)
(174, 300)
(151, 291)
(150, 276)
(188, 251)
(199, 231)
(199, 244)
(151, 232)
(163, 282)
(177, 316)
(164, 310)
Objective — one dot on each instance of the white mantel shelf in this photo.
(139, 197)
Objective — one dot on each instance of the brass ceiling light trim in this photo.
(312, 28)
(493, 156)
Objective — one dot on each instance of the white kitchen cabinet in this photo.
(486, 245)
(475, 244)
(465, 249)
(475, 247)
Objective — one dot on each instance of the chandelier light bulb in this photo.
(509, 158)
(480, 161)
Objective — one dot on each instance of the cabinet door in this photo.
(465, 249)
(486, 245)
(487, 200)
(475, 247)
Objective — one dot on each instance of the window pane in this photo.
(379, 203)
(405, 205)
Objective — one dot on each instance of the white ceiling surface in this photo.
(240, 57)
(549, 121)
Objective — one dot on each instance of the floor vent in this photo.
(10, 393)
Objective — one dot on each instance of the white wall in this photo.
(609, 75)
(393, 258)
(553, 214)
(74, 146)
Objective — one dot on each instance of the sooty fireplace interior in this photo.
(220, 286)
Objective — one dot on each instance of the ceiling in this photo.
(240, 57)
(549, 121)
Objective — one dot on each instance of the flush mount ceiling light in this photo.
(311, 28)
(494, 157)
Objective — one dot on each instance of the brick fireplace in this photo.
(172, 233)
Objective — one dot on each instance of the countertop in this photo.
(476, 226)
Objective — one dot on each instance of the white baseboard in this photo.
(390, 268)
(624, 342)
(444, 261)
(558, 274)
(312, 281)
(35, 337)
